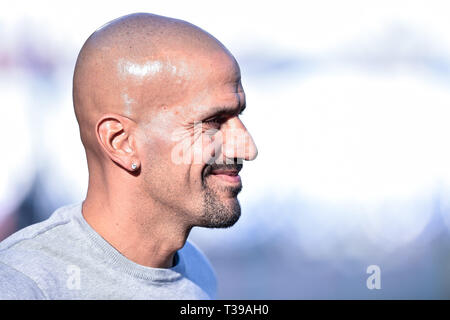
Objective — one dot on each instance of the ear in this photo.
(115, 135)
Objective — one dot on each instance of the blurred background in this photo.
(348, 102)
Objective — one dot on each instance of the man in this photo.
(158, 103)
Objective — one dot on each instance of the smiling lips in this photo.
(227, 175)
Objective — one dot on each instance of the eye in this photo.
(214, 122)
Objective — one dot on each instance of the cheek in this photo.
(161, 178)
(179, 159)
(212, 146)
(159, 163)
(153, 154)
(205, 150)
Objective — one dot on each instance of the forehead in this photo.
(206, 69)
(201, 82)
(211, 81)
(225, 69)
(223, 93)
(218, 74)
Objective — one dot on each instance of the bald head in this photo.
(142, 84)
(137, 64)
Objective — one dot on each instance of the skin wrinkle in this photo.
(141, 83)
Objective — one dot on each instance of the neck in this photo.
(146, 234)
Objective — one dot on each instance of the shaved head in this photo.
(137, 63)
(142, 84)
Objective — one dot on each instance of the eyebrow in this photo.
(223, 110)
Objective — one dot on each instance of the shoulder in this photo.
(14, 285)
(38, 231)
(29, 258)
(199, 268)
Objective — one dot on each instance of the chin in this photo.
(220, 214)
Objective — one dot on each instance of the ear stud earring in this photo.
(133, 166)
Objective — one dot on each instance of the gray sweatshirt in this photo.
(64, 258)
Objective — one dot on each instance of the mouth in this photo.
(228, 174)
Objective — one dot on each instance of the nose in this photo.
(237, 141)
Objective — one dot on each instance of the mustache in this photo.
(233, 166)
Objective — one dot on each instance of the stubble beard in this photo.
(217, 212)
